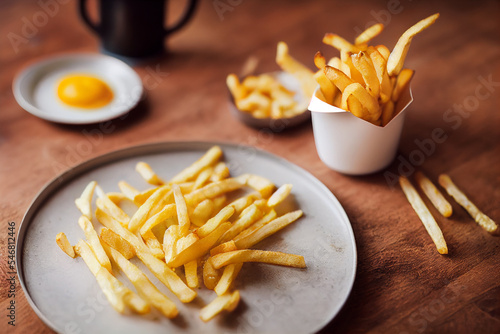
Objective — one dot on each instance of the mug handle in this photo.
(85, 17)
(184, 19)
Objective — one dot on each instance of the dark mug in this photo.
(134, 28)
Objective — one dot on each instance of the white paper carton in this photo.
(351, 145)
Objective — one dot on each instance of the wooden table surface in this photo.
(402, 284)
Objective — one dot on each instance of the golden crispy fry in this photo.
(226, 302)
(384, 51)
(142, 283)
(220, 172)
(368, 102)
(211, 275)
(95, 244)
(483, 220)
(402, 82)
(319, 60)
(191, 272)
(153, 245)
(129, 191)
(424, 214)
(380, 65)
(288, 64)
(369, 34)
(353, 72)
(104, 203)
(247, 218)
(166, 275)
(209, 158)
(227, 278)
(327, 88)
(170, 238)
(182, 212)
(117, 242)
(341, 44)
(236, 89)
(257, 225)
(202, 212)
(222, 248)
(214, 222)
(212, 190)
(252, 255)
(83, 203)
(334, 62)
(144, 211)
(256, 100)
(199, 248)
(63, 243)
(434, 195)
(339, 78)
(365, 66)
(267, 230)
(203, 177)
(148, 174)
(261, 184)
(387, 112)
(116, 197)
(279, 195)
(186, 241)
(117, 294)
(167, 212)
(396, 59)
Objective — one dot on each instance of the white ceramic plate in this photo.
(35, 88)
(66, 296)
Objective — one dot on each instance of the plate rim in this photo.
(43, 62)
(159, 147)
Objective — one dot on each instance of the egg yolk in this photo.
(84, 91)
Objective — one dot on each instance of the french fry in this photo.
(199, 248)
(402, 82)
(222, 248)
(212, 190)
(235, 87)
(182, 212)
(279, 195)
(483, 220)
(214, 222)
(117, 242)
(220, 171)
(252, 255)
(116, 197)
(153, 245)
(104, 203)
(243, 202)
(288, 64)
(203, 177)
(433, 194)
(387, 112)
(228, 276)
(267, 230)
(327, 88)
(319, 60)
(83, 203)
(167, 212)
(202, 212)
(226, 302)
(369, 103)
(424, 214)
(248, 217)
(63, 243)
(145, 210)
(209, 158)
(334, 62)
(353, 72)
(380, 65)
(143, 285)
(341, 44)
(397, 57)
(117, 294)
(129, 191)
(166, 275)
(210, 275)
(170, 238)
(191, 272)
(95, 244)
(384, 51)
(257, 225)
(369, 34)
(264, 186)
(148, 174)
(365, 66)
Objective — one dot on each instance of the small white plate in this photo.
(35, 88)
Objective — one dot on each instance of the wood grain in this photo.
(403, 285)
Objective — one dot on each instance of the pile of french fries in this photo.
(263, 96)
(442, 205)
(189, 223)
(367, 80)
